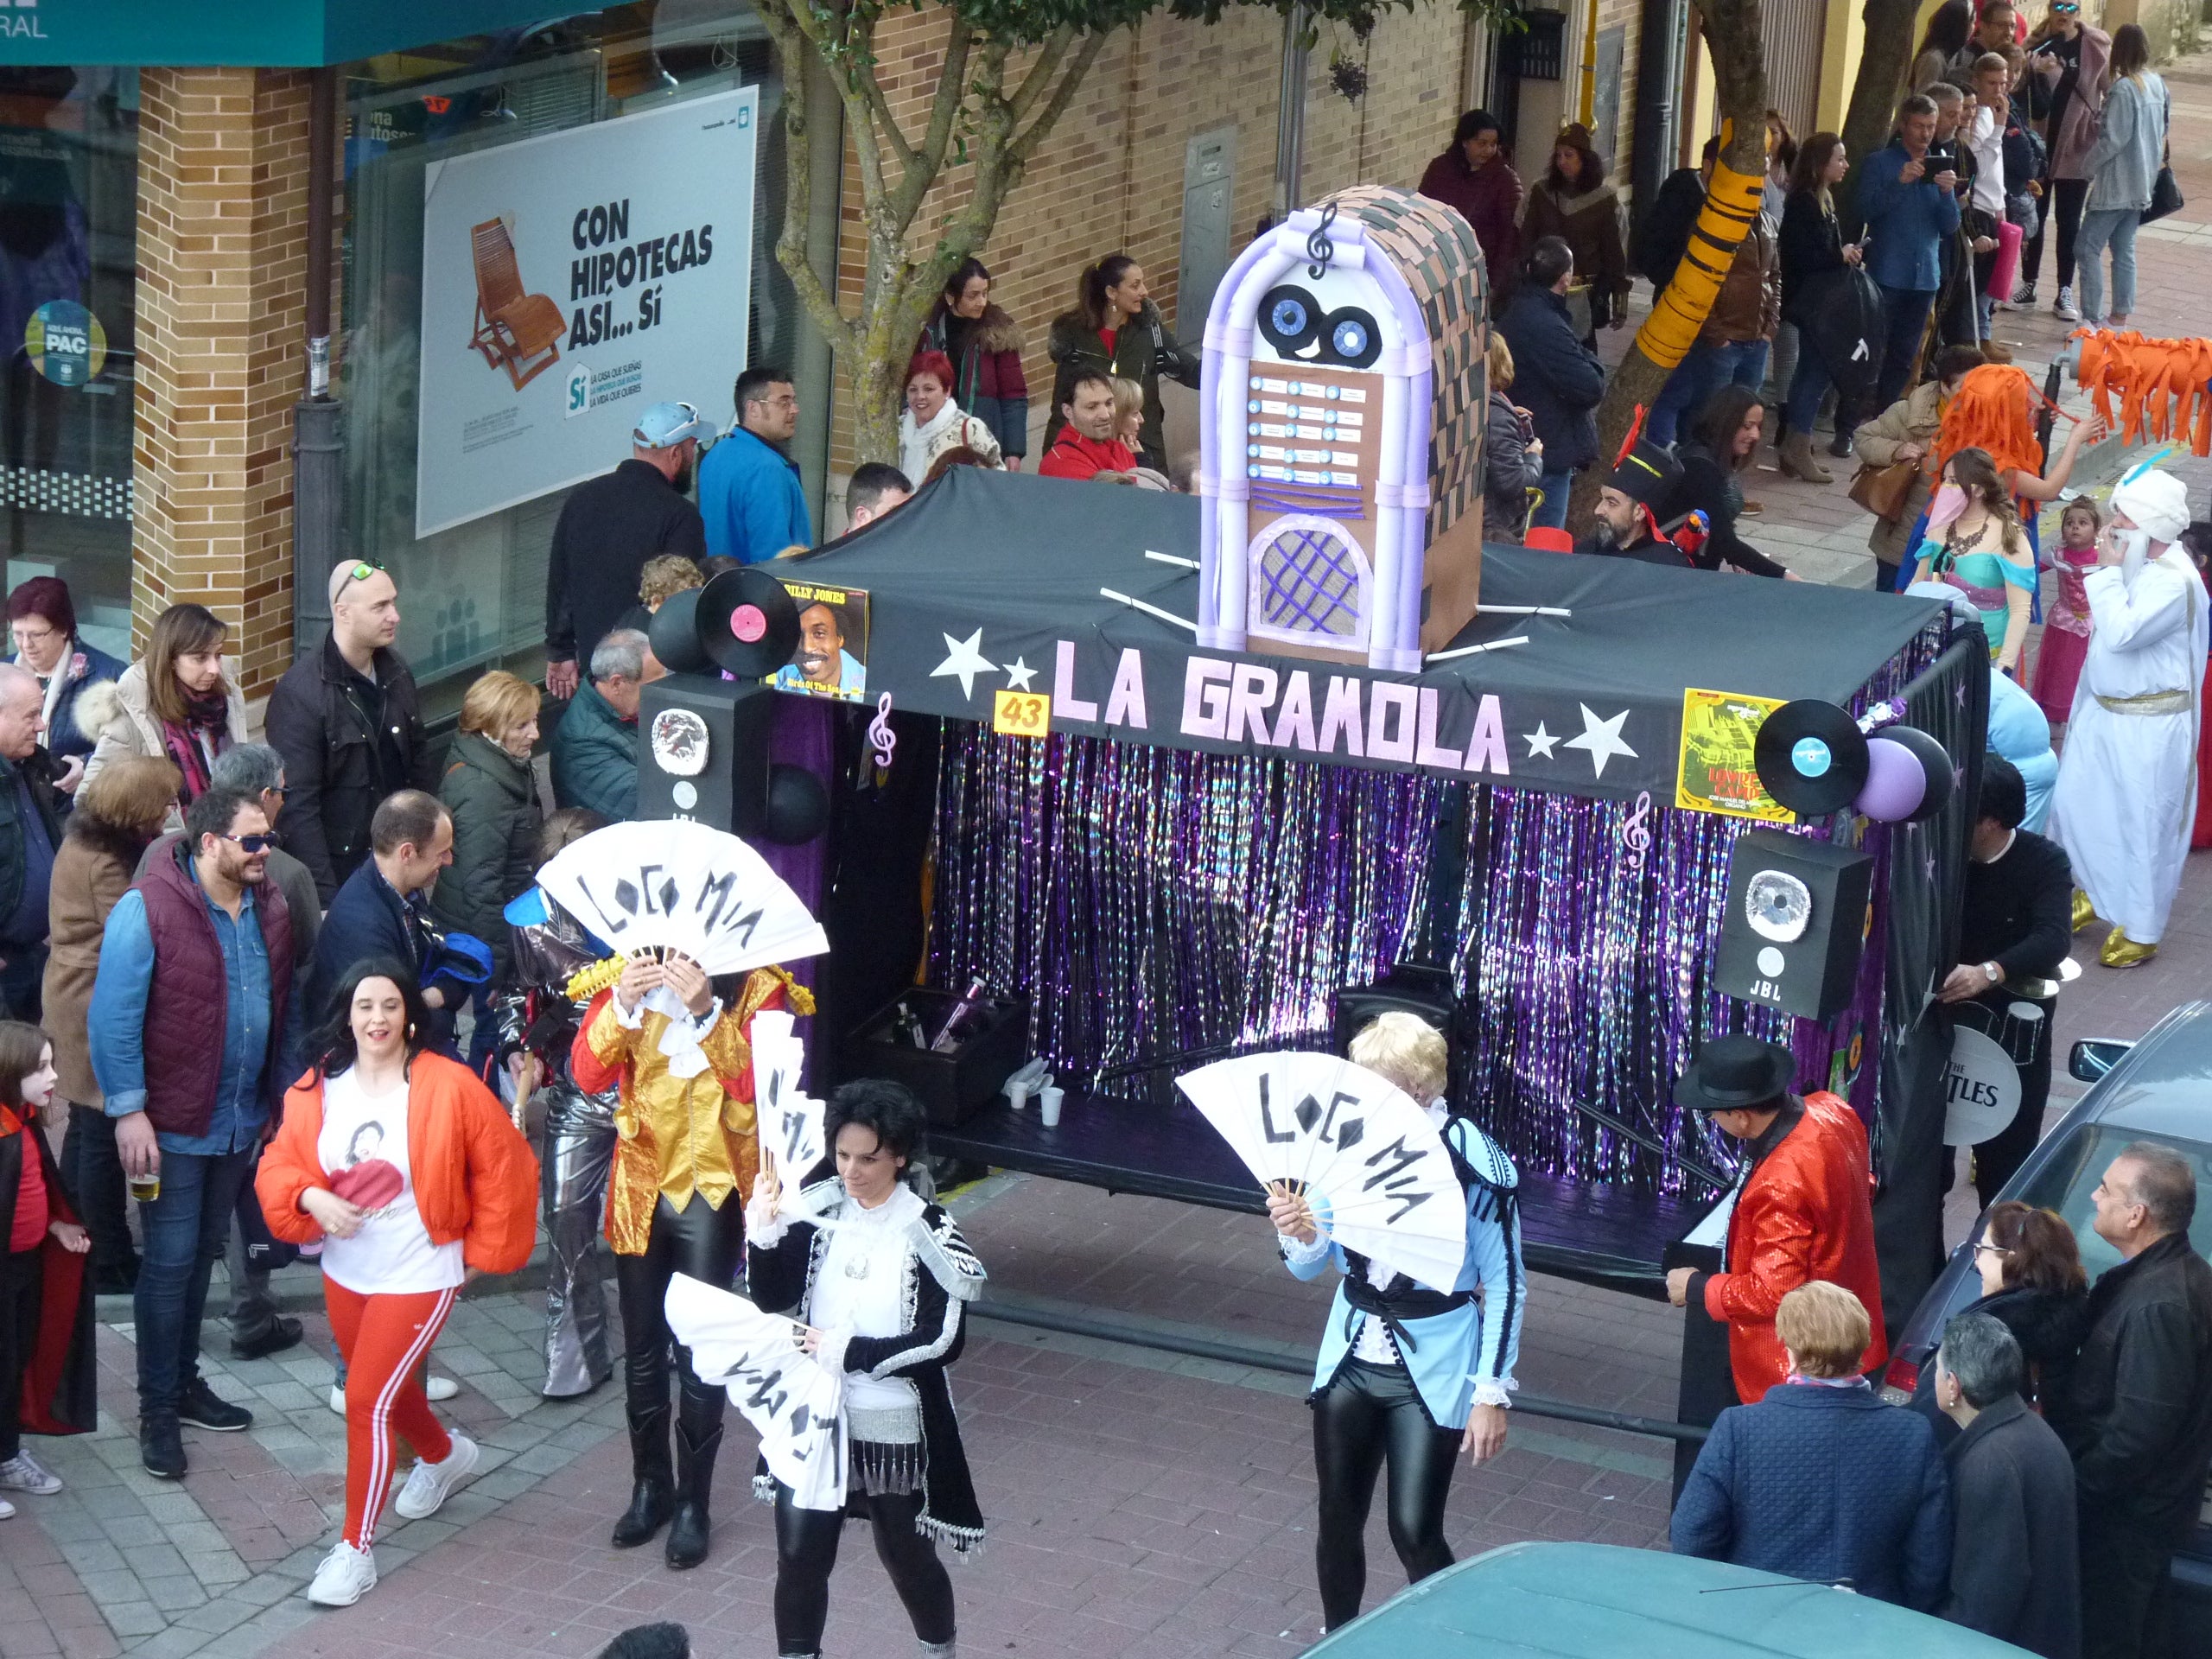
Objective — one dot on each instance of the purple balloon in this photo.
(1896, 781)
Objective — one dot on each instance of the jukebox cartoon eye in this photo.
(1353, 338)
(1290, 321)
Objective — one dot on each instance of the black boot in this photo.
(695, 1481)
(651, 1495)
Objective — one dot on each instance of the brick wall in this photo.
(222, 269)
(1111, 178)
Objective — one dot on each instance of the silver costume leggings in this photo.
(579, 1152)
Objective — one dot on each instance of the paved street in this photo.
(1140, 1505)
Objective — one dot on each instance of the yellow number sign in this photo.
(1020, 714)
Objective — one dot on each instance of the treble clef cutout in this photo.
(1318, 249)
(1633, 836)
(881, 735)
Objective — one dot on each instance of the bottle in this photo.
(964, 1012)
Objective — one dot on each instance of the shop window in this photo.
(68, 257)
(472, 595)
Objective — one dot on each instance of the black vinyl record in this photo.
(747, 623)
(1811, 757)
(674, 632)
(1934, 759)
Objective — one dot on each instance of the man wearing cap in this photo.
(2127, 795)
(749, 488)
(1803, 1210)
(349, 724)
(1626, 526)
(609, 527)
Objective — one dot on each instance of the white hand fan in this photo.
(672, 885)
(790, 1121)
(1372, 1165)
(796, 1406)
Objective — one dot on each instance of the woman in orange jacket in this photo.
(410, 1173)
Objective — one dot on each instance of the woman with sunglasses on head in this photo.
(178, 704)
(410, 1173)
(2031, 1279)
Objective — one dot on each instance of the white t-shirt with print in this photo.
(363, 1151)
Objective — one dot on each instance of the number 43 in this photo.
(1021, 714)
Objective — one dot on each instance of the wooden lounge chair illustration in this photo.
(517, 332)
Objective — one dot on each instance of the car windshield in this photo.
(2065, 1182)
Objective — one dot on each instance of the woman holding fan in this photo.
(685, 1159)
(1407, 1375)
(880, 1278)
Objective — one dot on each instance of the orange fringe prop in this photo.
(1993, 410)
(2165, 386)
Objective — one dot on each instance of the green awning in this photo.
(247, 34)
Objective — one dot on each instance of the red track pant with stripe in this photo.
(384, 1339)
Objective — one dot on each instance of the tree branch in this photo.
(796, 57)
(1041, 72)
(924, 166)
(1024, 144)
(879, 107)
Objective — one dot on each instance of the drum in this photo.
(1992, 1042)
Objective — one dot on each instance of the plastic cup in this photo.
(1048, 1106)
(1017, 1095)
(146, 1188)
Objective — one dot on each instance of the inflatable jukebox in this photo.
(1341, 465)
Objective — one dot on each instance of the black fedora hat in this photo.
(1735, 1071)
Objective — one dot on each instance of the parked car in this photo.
(1599, 1601)
(2159, 1089)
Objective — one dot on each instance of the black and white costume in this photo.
(888, 1288)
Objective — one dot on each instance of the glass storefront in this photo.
(473, 596)
(68, 259)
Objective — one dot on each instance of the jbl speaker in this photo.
(703, 754)
(1795, 922)
(1410, 987)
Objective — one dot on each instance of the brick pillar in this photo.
(222, 274)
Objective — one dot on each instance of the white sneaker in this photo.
(2064, 310)
(347, 1575)
(24, 1473)
(440, 1387)
(338, 1398)
(429, 1483)
(7, 1510)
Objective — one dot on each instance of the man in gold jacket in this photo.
(685, 1159)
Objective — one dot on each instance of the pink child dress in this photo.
(2065, 635)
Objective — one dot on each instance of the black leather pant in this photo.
(1369, 1415)
(710, 1245)
(806, 1552)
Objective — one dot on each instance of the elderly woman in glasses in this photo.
(43, 620)
(2031, 1279)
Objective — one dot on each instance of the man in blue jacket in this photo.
(1910, 211)
(383, 909)
(1821, 1480)
(749, 491)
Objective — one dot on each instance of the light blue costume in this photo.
(1446, 1354)
(2020, 731)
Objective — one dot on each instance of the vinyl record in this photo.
(1811, 757)
(1935, 758)
(749, 623)
(674, 632)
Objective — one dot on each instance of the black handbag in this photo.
(2165, 194)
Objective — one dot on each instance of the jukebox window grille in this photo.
(1309, 578)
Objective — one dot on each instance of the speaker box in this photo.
(1796, 921)
(702, 750)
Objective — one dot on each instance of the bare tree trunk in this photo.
(1883, 64)
(982, 116)
(1732, 204)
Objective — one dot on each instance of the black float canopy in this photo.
(990, 580)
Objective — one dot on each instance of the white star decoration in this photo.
(1017, 675)
(1540, 742)
(967, 660)
(1602, 738)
